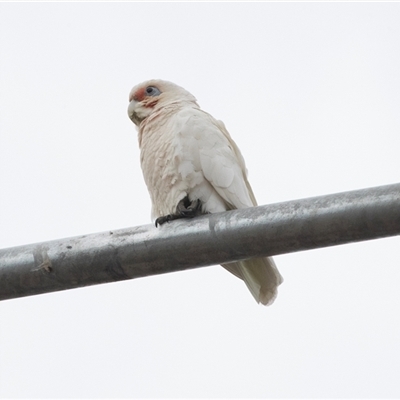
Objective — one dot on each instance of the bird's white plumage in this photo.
(186, 152)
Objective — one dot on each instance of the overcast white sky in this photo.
(311, 94)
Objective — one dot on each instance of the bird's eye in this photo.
(152, 91)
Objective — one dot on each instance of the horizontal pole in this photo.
(206, 240)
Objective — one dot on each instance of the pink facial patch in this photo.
(139, 95)
(151, 103)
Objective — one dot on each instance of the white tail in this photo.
(261, 277)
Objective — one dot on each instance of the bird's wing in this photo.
(223, 166)
(240, 159)
(220, 160)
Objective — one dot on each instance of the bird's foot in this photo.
(184, 209)
(188, 209)
(166, 218)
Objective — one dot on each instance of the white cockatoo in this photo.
(192, 166)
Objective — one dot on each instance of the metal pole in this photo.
(209, 239)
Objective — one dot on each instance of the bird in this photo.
(192, 166)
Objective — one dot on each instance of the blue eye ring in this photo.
(152, 91)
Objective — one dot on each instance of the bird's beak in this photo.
(132, 112)
(131, 108)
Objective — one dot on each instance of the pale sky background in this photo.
(311, 94)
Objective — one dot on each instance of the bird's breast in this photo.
(168, 162)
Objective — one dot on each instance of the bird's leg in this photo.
(184, 209)
(188, 209)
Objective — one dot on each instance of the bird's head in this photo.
(153, 95)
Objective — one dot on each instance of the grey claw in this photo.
(184, 209)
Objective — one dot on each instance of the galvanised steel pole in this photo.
(209, 239)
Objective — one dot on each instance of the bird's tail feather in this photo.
(260, 275)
